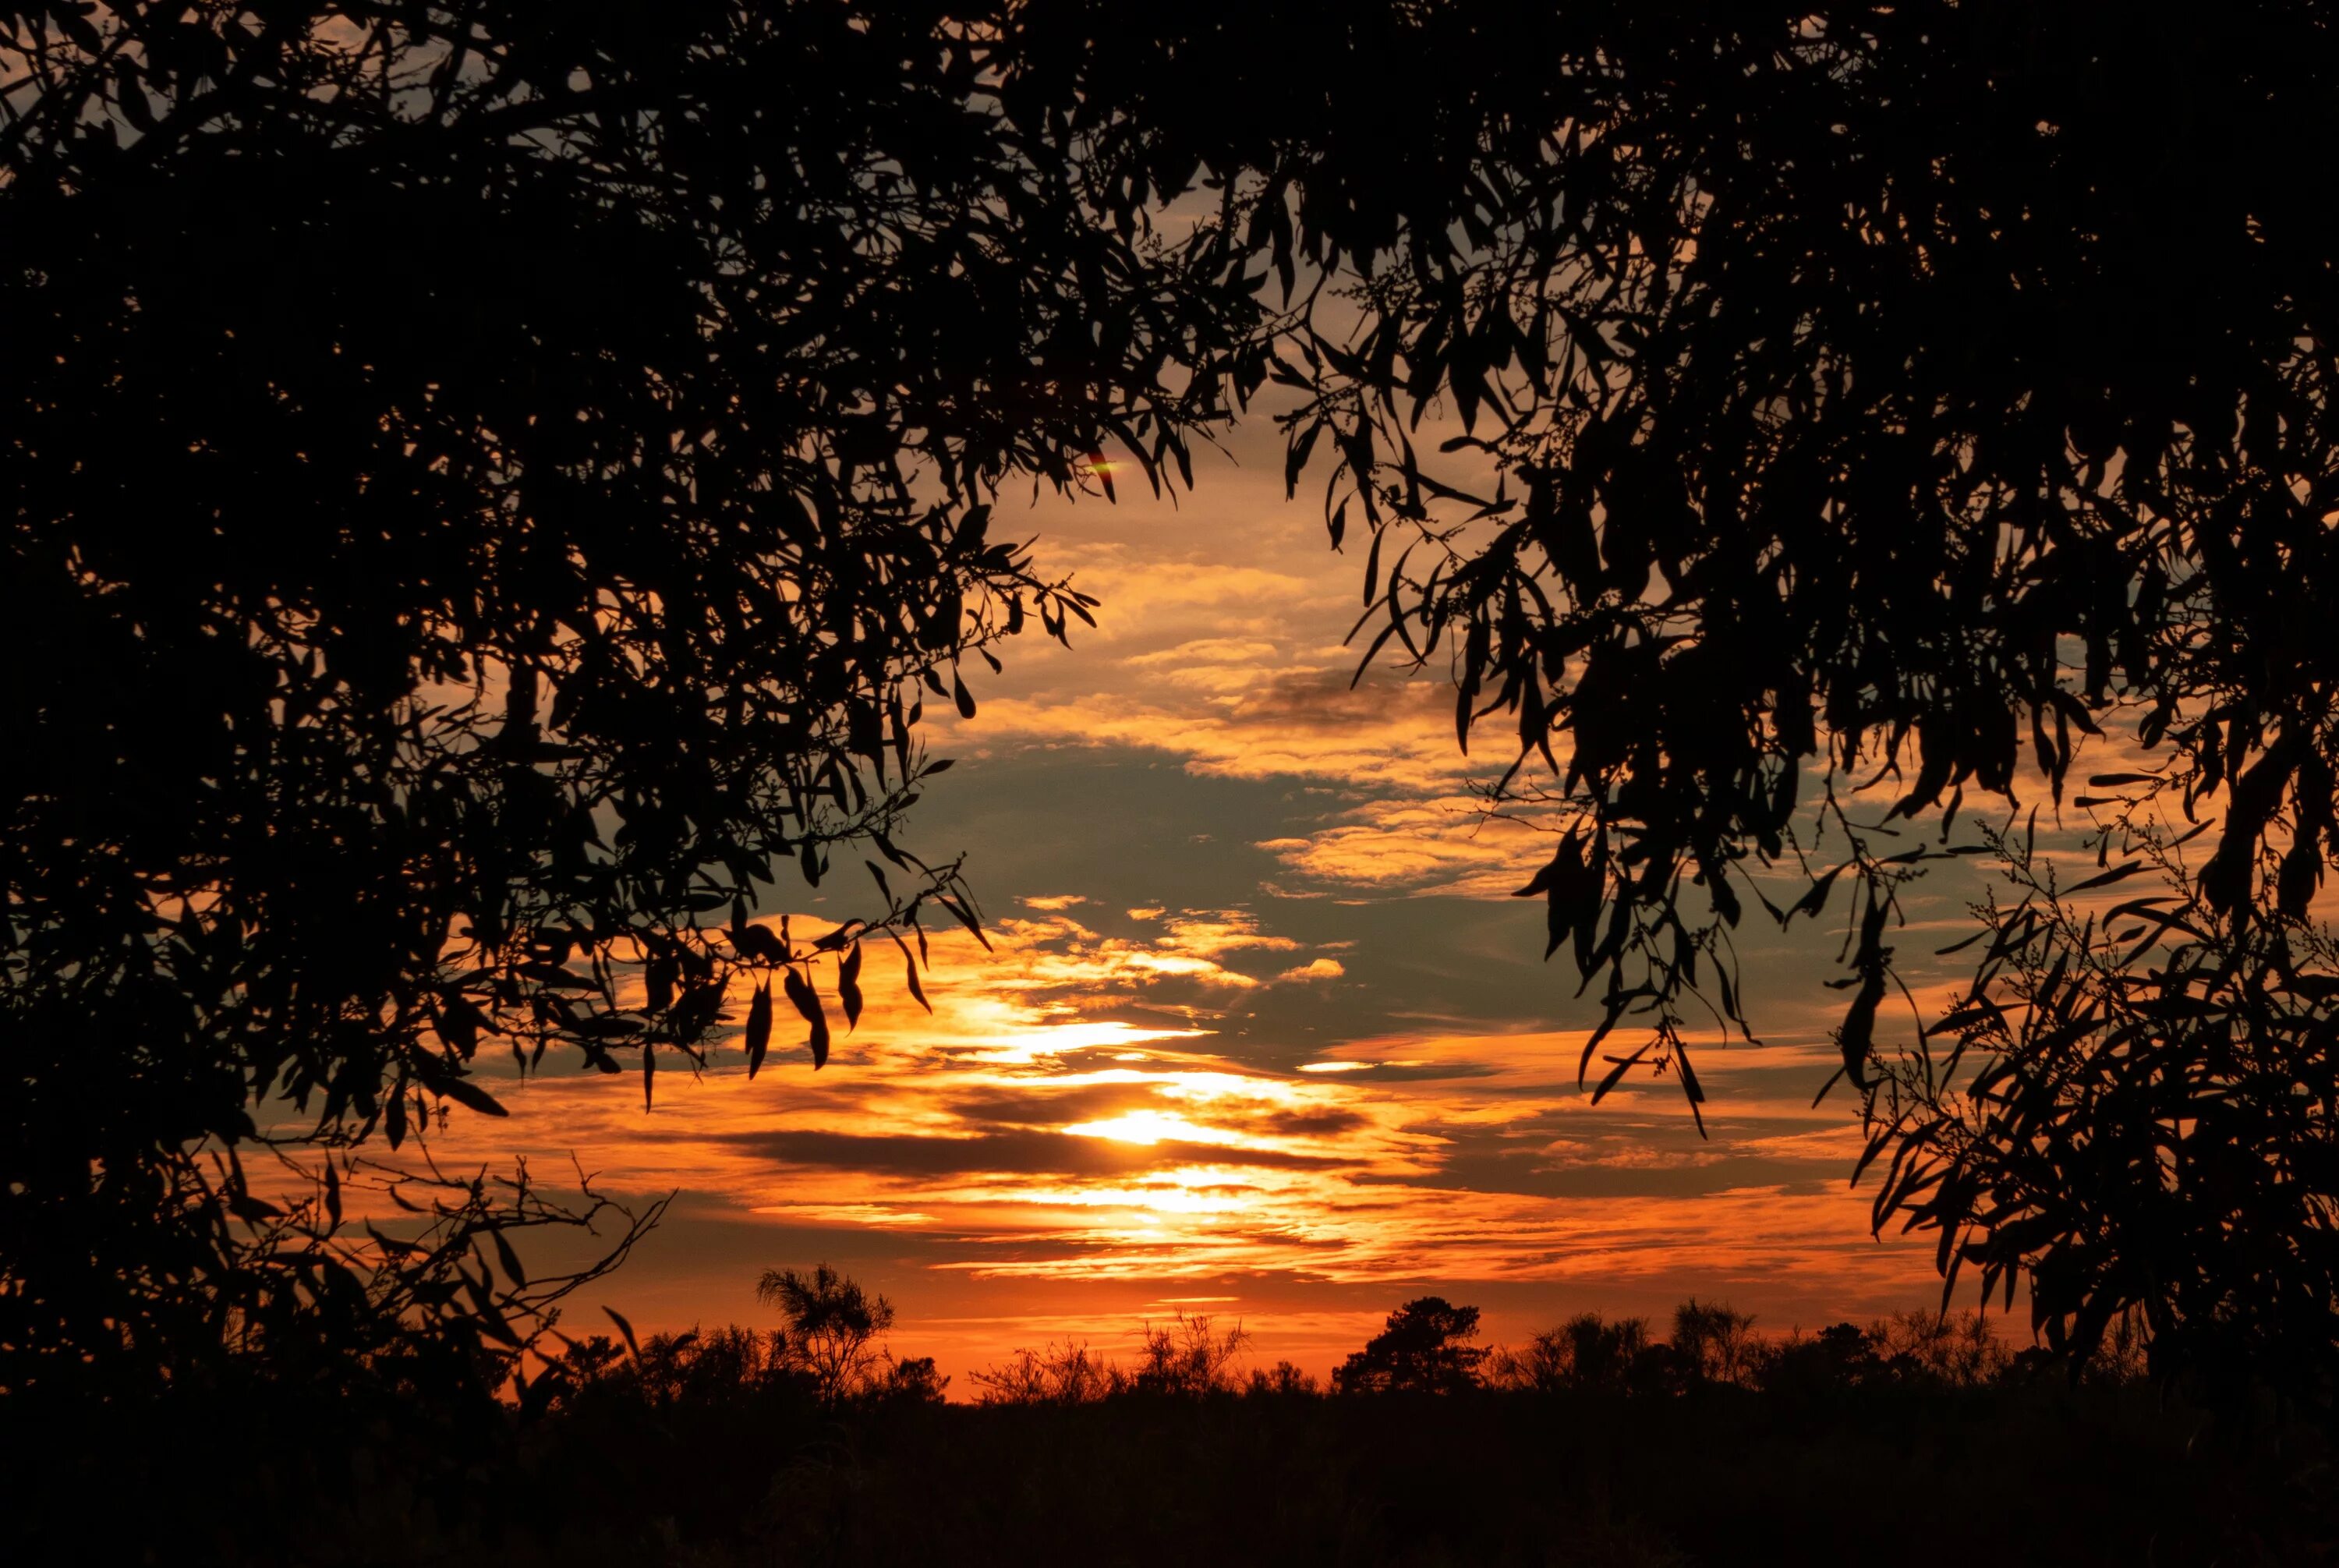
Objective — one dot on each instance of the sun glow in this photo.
(1149, 1127)
(1040, 1042)
(1052, 1125)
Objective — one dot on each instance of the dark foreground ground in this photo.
(2040, 1474)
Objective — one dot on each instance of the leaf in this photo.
(2107, 878)
(1615, 1074)
(759, 1027)
(808, 1005)
(1833, 1079)
(627, 1329)
(657, 982)
(1965, 1017)
(1857, 1036)
(910, 973)
(1564, 858)
(1815, 901)
(964, 916)
(464, 1093)
(1584, 1062)
(508, 1258)
(848, 987)
(886, 847)
(1694, 1090)
(963, 698)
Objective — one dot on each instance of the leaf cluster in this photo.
(2133, 1109)
(1729, 398)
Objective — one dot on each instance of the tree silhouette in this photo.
(834, 1329)
(487, 484)
(1713, 1344)
(1424, 1349)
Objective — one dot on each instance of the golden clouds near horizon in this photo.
(1070, 1111)
(1172, 1069)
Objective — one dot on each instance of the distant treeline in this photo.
(828, 1348)
(1604, 1441)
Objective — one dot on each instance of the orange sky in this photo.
(1262, 1035)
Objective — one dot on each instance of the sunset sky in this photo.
(1263, 1035)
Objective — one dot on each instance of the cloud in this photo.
(1319, 968)
(1209, 933)
(1446, 845)
(1065, 1154)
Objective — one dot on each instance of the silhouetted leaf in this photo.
(509, 1259)
(759, 1027)
(807, 1003)
(626, 1330)
(848, 986)
(470, 1095)
(2105, 879)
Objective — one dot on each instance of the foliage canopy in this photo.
(1752, 408)
(489, 482)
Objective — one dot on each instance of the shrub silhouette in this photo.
(912, 1379)
(1068, 1374)
(1189, 1357)
(828, 1350)
(1283, 1380)
(1587, 1353)
(1839, 1356)
(1956, 1350)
